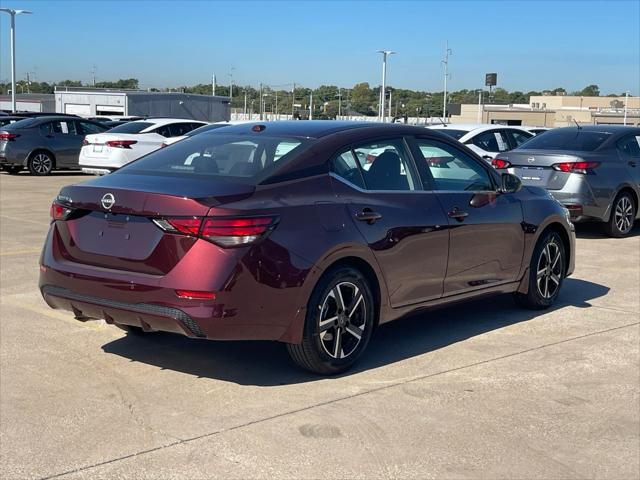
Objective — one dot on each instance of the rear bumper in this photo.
(579, 199)
(149, 317)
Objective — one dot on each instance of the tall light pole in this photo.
(339, 95)
(626, 102)
(13, 14)
(231, 85)
(385, 54)
(445, 63)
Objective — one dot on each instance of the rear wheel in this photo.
(546, 273)
(40, 163)
(338, 324)
(623, 214)
(13, 169)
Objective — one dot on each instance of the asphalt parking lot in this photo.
(483, 390)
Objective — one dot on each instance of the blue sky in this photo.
(532, 45)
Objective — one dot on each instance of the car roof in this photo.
(310, 128)
(165, 121)
(612, 129)
(474, 127)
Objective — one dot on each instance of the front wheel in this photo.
(546, 273)
(338, 324)
(623, 214)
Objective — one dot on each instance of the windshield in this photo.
(244, 158)
(457, 134)
(570, 139)
(131, 127)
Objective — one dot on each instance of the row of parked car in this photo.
(593, 170)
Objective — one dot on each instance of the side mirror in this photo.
(510, 183)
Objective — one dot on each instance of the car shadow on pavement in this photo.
(596, 230)
(267, 363)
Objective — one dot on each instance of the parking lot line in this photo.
(47, 312)
(334, 401)
(20, 252)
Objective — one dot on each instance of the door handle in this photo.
(632, 163)
(458, 214)
(368, 215)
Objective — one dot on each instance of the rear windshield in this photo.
(246, 159)
(26, 123)
(567, 139)
(131, 127)
(206, 128)
(457, 134)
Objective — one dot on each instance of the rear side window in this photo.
(26, 123)
(346, 166)
(131, 127)
(630, 146)
(491, 141)
(457, 134)
(568, 139)
(87, 128)
(243, 158)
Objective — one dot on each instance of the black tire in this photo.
(334, 346)
(40, 163)
(546, 272)
(130, 329)
(13, 169)
(623, 214)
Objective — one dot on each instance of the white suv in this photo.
(104, 152)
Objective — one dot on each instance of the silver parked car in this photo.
(42, 144)
(594, 171)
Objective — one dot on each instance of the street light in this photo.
(13, 14)
(385, 54)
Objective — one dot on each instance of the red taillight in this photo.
(59, 212)
(120, 143)
(7, 136)
(499, 163)
(575, 167)
(196, 295)
(235, 231)
(224, 231)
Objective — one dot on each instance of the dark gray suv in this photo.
(42, 144)
(594, 171)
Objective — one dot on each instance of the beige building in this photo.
(555, 111)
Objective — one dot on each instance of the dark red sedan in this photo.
(279, 231)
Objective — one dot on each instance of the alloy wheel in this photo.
(624, 214)
(342, 320)
(549, 271)
(41, 163)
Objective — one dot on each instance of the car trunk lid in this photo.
(535, 167)
(112, 220)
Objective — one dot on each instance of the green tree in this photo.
(589, 91)
(363, 99)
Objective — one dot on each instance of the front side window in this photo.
(245, 159)
(386, 166)
(451, 169)
(630, 146)
(519, 137)
(491, 141)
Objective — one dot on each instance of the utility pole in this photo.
(311, 107)
(277, 105)
(93, 75)
(213, 86)
(293, 101)
(626, 102)
(445, 63)
(339, 95)
(480, 106)
(13, 14)
(245, 101)
(28, 83)
(390, 111)
(261, 101)
(231, 86)
(385, 54)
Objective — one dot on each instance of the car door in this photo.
(400, 222)
(629, 151)
(488, 143)
(486, 241)
(65, 141)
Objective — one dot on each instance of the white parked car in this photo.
(205, 128)
(486, 140)
(104, 152)
(536, 130)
